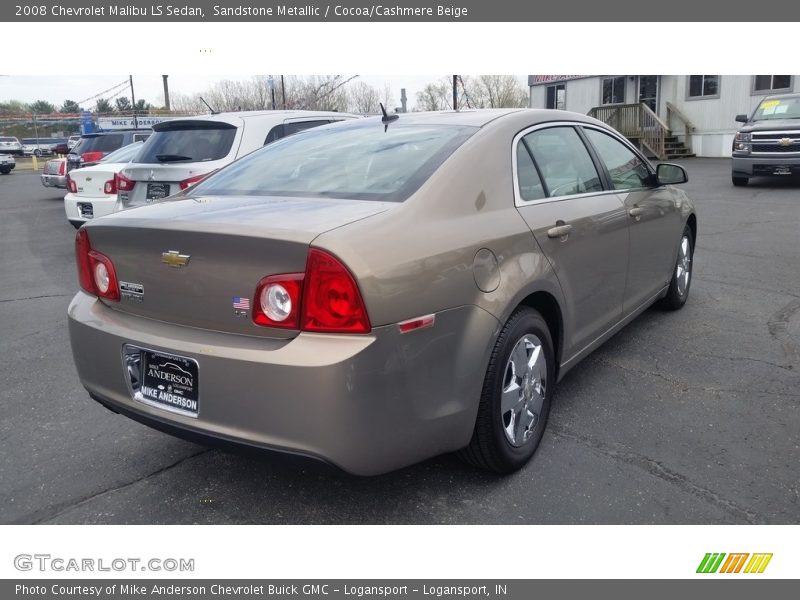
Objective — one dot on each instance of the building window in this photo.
(613, 90)
(772, 83)
(703, 86)
(557, 97)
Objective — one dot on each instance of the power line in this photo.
(112, 88)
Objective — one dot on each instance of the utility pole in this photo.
(271, 82)
(403, 100)
(166, 92)
(283, 93)
(133, 101)
(455, 92)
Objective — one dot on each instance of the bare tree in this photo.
(436, 95)
(495, 91)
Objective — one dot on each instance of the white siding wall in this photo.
(713, 118)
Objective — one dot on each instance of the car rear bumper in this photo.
(366, 403)
(80, 209)
(756, 166)
(58, 181)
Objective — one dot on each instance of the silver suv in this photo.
(10, 145)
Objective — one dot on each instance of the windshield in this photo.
(124, 154)
(203, 142)
(357, 160)
(774, 108)
(99, 143)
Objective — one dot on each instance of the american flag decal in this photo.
(241, 303)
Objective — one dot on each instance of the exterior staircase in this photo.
(647, 131)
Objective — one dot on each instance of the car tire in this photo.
(681, 281)
(504, 440)
(36, 153)
(739, 181)
(5, 171)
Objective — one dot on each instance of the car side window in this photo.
(296, 126)
(530, 185)
(275, 133)
(627, 170)
(563, 161)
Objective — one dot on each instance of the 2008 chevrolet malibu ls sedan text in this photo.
(377, 292)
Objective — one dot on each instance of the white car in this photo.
(10, 145)
(7, 164)
(181, 152)
(93, 190)
(73, 139)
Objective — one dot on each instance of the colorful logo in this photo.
(734, 563)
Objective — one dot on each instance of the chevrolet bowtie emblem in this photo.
(173, 258)
(785, 142)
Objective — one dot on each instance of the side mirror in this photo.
(670, 174)
(741, 118)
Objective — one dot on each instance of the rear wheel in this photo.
(515, 401)
(37, 153)
(739, 181)
(5, 171)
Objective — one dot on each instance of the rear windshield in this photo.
(124, 154)
(353, 160)
(99, 143)
(783, 108)
(188, 145)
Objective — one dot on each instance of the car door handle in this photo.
(559, 231)
(636, 212)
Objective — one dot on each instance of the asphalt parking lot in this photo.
(685, 417)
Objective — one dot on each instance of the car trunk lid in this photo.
(197, 261)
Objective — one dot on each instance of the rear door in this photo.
(651, 212)
(580, 226)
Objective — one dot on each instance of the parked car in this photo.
(7, 164)
(54, 173)
(73, 140)
(93, 190)
(183, 151)
(10, 145)
(38, 146)
(769, 142)
(60, 148)
(377, 292)
(94, 146)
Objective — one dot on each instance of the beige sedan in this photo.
(377, 292)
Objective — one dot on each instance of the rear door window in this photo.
(563, 161)
(99, 143)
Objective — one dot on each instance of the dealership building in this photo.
(668, 115)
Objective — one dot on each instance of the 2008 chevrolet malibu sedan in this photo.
(377, 292)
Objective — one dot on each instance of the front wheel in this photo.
(681, 280)
(5, 171)
(37, 153)
(739, 181)
(515, 401)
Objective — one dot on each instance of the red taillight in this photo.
(122, 183)
(95, 270)
(71, 185)
(110, 186)
(332, 302)
(193, 180)
(62, 167)
(324, 299)
(88, 157)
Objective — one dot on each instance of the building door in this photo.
(557, 96)
(648, 91)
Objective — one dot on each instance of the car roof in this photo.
(781, 96)
(234, 118)
(484, 116)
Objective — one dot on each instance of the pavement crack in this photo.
(56, 511)
(35, 297)
(659, 470)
